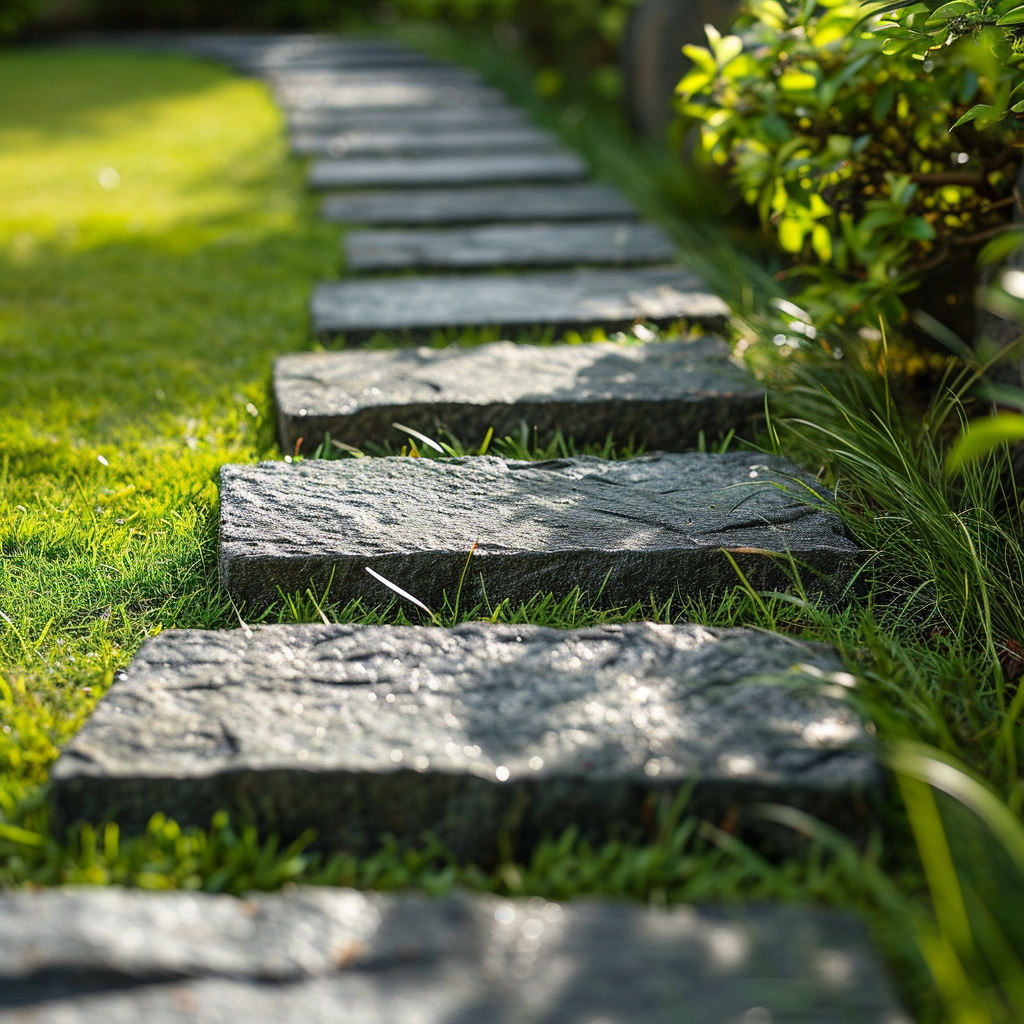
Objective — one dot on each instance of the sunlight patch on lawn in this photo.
(96, 146)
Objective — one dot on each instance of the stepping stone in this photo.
(383, 61)
(361, 142)
(662, 395)
(326, 79)
(385, 94)
(468, 169)
(508, 245)
(468, 733)
(407, 119)
(576, 299)
(578, 201)
(113, 956)
(624, 532)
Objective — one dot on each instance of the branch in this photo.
(984, 236)
(949, 178)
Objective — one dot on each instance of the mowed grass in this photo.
(156, 251)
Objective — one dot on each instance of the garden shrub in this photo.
(846, 153)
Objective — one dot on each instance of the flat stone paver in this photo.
(627, 531)
(466, 169)
(390, 143)
(112, 956)
(389, 94)
(468, 733)
(289, 84)
(370, 60)
(577, 201)
(662, 395)
(575, 299)
(407, 119)
(508, 245)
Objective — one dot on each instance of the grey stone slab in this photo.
(616, 243)
(574, 299)
(389, 94)
(661, 395)
(406, 119)
(653, 526)
(480, 139)
(469, 733)
(292, 81)
(384, 60)
(468, 169)
(578, 201)
(407, 959)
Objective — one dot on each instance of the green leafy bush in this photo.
(846, 154)
(920, 29)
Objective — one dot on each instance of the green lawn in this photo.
(156, 252)
(137, 327)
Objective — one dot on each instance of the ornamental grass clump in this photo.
(847, 156)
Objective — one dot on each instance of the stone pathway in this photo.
(664, 395)
(405, 141)
(469, 733)
(480, 730)
(491, 245)
(112, 957)
(580, 299)
(651, 527)
(465, 169)
(431, 206)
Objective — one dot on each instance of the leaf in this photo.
(955, 9)
(1001, 246)
(727, 49)
(794, 80)
(791, 234)
(695, 81)
(702, 58)
(430, 442)
(1014, 17)
(819, 208)
(918, 229)
(821, 242)
(978, 110)
(894, 47)
(772, 13)
(398, 590)
(22, 836)
(942, 334)
(920, 763)
(982, 436)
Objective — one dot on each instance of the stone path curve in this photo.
(481, 730)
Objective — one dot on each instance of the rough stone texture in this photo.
(365, 958)
(650, 526)
(404, 143)
(582, 201)
(563, 299)
(292, 80)
(406, 119)
(508, 245)
(262, 52)
(468, 169)
(469, 733)
(389, 94)
(662, 395)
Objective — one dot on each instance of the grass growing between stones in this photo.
(156, 252)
